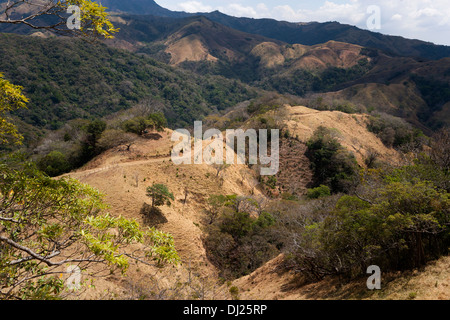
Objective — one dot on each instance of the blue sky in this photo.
(427, 20)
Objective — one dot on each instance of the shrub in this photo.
(403, 226)
(238, 243)
(160, 195)
(333, 166)
(393, 132)
(319, 192)
(54, 164)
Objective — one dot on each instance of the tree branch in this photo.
(34, 255)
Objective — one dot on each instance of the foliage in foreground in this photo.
(11, 99)
(47, 225)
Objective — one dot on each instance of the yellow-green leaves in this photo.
(94, 18)
(163, 249)
(11, 98)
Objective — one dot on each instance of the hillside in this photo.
(273, 282)
(311, 33)
(67, 79)
(350, 130)
(297, 59)
(123, 176)
(362, 169)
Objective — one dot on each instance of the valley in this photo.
(345, 164)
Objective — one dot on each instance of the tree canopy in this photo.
(160, 194)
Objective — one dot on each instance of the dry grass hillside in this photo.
(349, 129)
(124, 176)
(204, 40)
(272, 282)
(317, 57)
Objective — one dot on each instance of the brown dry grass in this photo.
(270, 282)
(124, 176)
(350, 130)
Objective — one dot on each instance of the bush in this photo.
(393, 132)
(238, 243)
(333, 166)
(54, 164)
(403, 226)
(319, 192)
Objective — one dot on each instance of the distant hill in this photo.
(309, 33)
(339, 70)
(306, 33)
(314, 33)
(141, 7)
(69, 78)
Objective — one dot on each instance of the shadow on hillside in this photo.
(152, 136)
(153, 216)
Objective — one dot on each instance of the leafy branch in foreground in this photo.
(11, 98)
(46, 225)
(52, 15)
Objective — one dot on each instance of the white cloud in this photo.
(396, 17)
(238, 10)
(194, 6)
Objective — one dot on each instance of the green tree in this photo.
(11, 98)
(114, 138)
(160, 195)
(319, 192)
(214, 206)
(54, 164)
(333, 166)
(138, 125)
(159, 120)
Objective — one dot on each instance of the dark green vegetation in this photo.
(408, 85)
(394, 132)
(78, 141)
(67, 79)
(332, 164)
(436, 93)
(395, 221)
(239, 236)
(160, 195)
(300, 82)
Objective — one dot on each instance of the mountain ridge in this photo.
(309, 33)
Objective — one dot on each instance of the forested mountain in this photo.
(68, 78)
(306, 33)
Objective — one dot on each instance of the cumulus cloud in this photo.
(194, 6)
(421, 19)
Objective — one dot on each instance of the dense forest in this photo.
(68, 78)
